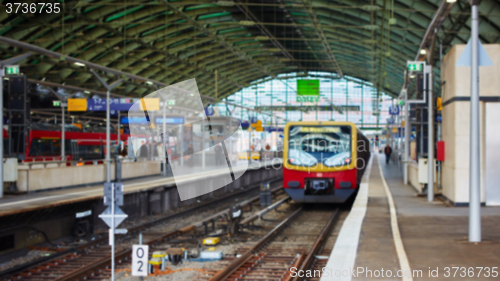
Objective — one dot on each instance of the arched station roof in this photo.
(243, 40)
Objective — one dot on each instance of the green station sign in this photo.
(415, 66)
(307, 98)
(12, 69)
(307, 90)
(309, 87)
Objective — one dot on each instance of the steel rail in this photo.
(85, 270)
(265, 211)
(222, 275)
(60, 255)
(317, 245)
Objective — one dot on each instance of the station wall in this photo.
(456, 120)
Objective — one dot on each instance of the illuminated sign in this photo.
(77, 104)
(415, 66)
(320, 130)
(308, 87)
(151, 104)
(12, 69)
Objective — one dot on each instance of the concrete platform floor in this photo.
(13, 204)
(434, 235)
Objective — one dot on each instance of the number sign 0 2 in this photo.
(140, 254)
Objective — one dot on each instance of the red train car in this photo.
(323, 162)
(44, 144)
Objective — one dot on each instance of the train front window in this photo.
(311, 145)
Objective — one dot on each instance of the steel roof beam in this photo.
(321, 35)
(266, 32)
(441, 14)
(216, 38)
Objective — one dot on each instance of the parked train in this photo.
(44, 143)
(323, 162)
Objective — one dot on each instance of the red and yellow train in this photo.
(323, 162)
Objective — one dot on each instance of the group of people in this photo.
(157, 150)
(143, 152)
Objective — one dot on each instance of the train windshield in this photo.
(311, 145)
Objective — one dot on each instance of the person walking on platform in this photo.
(190, 156)
(388, 152)
(143, 150)
(155, 150)
(218, 155)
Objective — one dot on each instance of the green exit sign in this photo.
(415, 66)
(12, 69)
(56, 103)
(171, 102)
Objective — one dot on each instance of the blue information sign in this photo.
(394, 110)
(209, 111)
(169, 120)
(123, 104)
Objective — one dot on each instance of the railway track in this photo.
(293, 243)
(92, 261)
(301, 240)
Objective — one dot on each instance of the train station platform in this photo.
(15, 204)
(391, 230)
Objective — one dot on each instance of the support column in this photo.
(108, 87)
(406, 157)
(63, 132)
(430, 140)
(164, 138)
(475, 180)
(119, 130)
(108, 139)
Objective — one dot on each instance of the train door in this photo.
(74, 150)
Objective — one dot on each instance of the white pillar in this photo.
(475, 181)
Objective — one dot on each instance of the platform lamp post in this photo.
(3, 65)
(164, 129)
(64, 104)
(108, 87)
